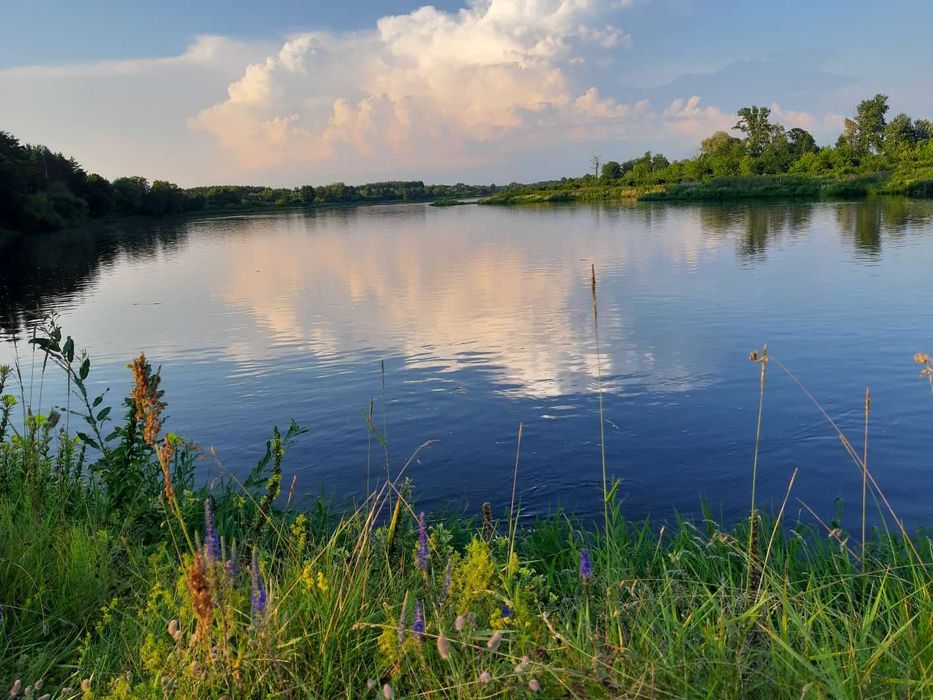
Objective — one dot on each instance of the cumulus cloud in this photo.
(514, 88)
(424, 87)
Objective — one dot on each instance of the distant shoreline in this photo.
(722, 189)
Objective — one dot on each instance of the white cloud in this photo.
(499, 89)
(462, 89)
(819, 124)
(128, 117)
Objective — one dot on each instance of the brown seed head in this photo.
(202, 601)
(147, 398)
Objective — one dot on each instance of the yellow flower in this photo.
(921, 358)
(314, 579)
(307, 577)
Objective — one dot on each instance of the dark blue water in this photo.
(483, 319)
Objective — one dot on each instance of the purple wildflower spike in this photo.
(424, 552)
(258, 597)
(211, 541)
(586, 568)
(417, 621)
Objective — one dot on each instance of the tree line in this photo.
(869, 143)
(41, 190)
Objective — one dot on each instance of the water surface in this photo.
(482, 319)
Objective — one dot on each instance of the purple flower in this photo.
(258, 597)
(586, 569)
(506, 613)
(417, 621)
(211, 541)
(424, 552)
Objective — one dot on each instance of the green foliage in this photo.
(45, 191)
(768, 161)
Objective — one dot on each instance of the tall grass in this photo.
(102, 596)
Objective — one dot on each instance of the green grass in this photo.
(569, 192)
(98, 586)
(911, 181)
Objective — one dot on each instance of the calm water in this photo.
(482, 317)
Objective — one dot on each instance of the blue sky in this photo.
(294, 91)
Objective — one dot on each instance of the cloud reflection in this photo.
(443, 289)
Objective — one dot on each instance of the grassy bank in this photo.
(911, 182)
(571, 191)
(121, 576)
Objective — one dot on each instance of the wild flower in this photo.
(202, 601)
(522, 665)
(165, 452)
(485, 677)
(86, 685)
(489, 528)
(258, 597)
(533, 685)
(417, 621)
(211, 541)
(460, 623)
(424, 552)
(147, 398)
(506, 614)
(494, 641)
(586, 568)
(473, 576)
(17, 687)
(314, 579)
(387, 692)
(443, 648)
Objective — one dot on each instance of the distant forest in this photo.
(868, 143)
(763, 159)
(41, 190)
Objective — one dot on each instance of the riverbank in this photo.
(121, 576)
(915, 183)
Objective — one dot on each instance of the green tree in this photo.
(923, 129)
(611, 170)
(900, 134)
(869, 115)
(719, 143)
(800, 141)
(129, 194)
(99, 195)
(164, 199)
(759, 131)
